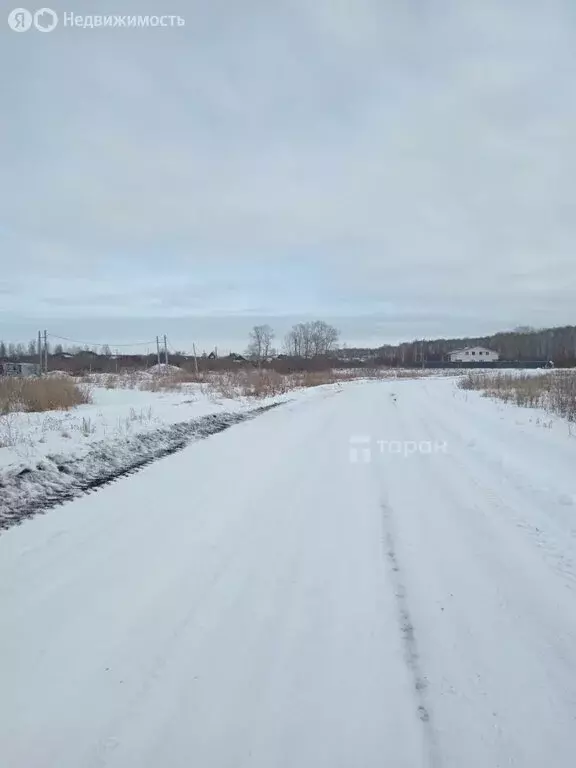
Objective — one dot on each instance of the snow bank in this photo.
(48, 457)
(59, 477)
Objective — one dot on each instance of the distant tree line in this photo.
(523, 343)
(315, 344)
(13, 351)
(16, 351)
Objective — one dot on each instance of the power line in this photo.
(171, 348)
(182, 352)
(179, 352)
(99, 344)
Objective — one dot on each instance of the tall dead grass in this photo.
(170, 382)
(33, 395)
(249, 383)
(554, 391)
(240, 382)
(266, 382)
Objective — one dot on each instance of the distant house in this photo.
(474, 355)
(19, 369)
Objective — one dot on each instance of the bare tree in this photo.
(323, 338)
(292, 342)
(297, 342)
(260, 346)
(311, 339)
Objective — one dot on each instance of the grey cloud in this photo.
(408, 154)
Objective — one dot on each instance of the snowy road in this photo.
(278, 596)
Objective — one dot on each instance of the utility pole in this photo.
(195, 359)
(40, 353)
(45, 351)
(165, 351)
(158, 348)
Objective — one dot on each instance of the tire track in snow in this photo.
(403, 612)
(408, 632)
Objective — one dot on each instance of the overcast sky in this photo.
(401, 169)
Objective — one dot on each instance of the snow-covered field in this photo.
(373, 574)
(113, 415)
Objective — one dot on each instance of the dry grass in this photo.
(148, 381)
(239, 383)
(170, 382)
(554, 391)
(242, 382)
(246, 382)
(131, 380)
(249, 383)
(33, 395)
(346, 374)
(319, 378)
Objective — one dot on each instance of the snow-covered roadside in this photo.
(548, 401)
(48, 457)
(114, 414)
(58, 478)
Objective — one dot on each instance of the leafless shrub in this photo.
(33, 395)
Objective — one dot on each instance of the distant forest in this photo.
(524, 343)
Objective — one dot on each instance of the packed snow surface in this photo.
(381, 575)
